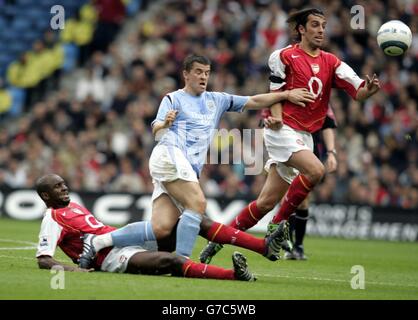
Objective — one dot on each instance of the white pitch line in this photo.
(17, 257)
(19, 241)
(338, 280)
(32, 246)
(17, 248)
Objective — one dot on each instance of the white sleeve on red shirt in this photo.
(347, 79)
(48, 236)
(277, 70)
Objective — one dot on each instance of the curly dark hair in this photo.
(300, 17)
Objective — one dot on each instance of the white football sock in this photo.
(102, 241)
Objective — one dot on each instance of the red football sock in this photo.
(298, 191)
(223, 234)
(248, 217)
(193, 269)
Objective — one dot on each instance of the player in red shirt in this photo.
(293, 169)
(65, 223)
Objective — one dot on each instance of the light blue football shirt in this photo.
(197, 118)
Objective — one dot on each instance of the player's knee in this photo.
(316, 173)
(161, 231)
(201, 204)
(198, 204)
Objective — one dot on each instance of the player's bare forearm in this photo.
(168, 121)
(371, 87)
(276, 110)
(275, 121)
(47, 262)
(156, 127)
(298, 96)
(329, 138)
(265, 100)
(363, 94)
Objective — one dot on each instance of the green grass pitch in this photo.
(390, 273)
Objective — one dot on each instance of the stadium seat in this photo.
(3, 46)
(50, 3)
(36, 14)
(30, 35)
(6, 57)
(21, 24)
(9, 11)
(18, 47)
(42, 23)
(11, 35)
(24, 3)
(3, 24)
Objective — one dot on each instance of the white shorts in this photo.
(168, 164)
(118, 258)
(281, 144)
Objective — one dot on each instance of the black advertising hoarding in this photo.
(326, 220)
(363, 222)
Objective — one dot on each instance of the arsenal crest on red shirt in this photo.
(315, 68)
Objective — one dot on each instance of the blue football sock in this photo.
(135, 234)
(187, 231)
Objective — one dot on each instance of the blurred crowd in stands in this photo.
(96, 133)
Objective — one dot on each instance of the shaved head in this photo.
(53, 190)
(44, 183)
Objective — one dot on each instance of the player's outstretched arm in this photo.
(371, 87)
(298, 96)
(47, 262)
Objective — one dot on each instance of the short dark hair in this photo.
(189, 60)
(42, 185)
(300, 18)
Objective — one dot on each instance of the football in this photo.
(394, 37)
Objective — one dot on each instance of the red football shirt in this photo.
(291, 68)
(63, 227)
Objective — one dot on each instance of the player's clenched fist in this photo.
(274, 123)
(169, 118)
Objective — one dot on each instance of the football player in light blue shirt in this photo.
(190, 116)
(197, 118)
(184, 127)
